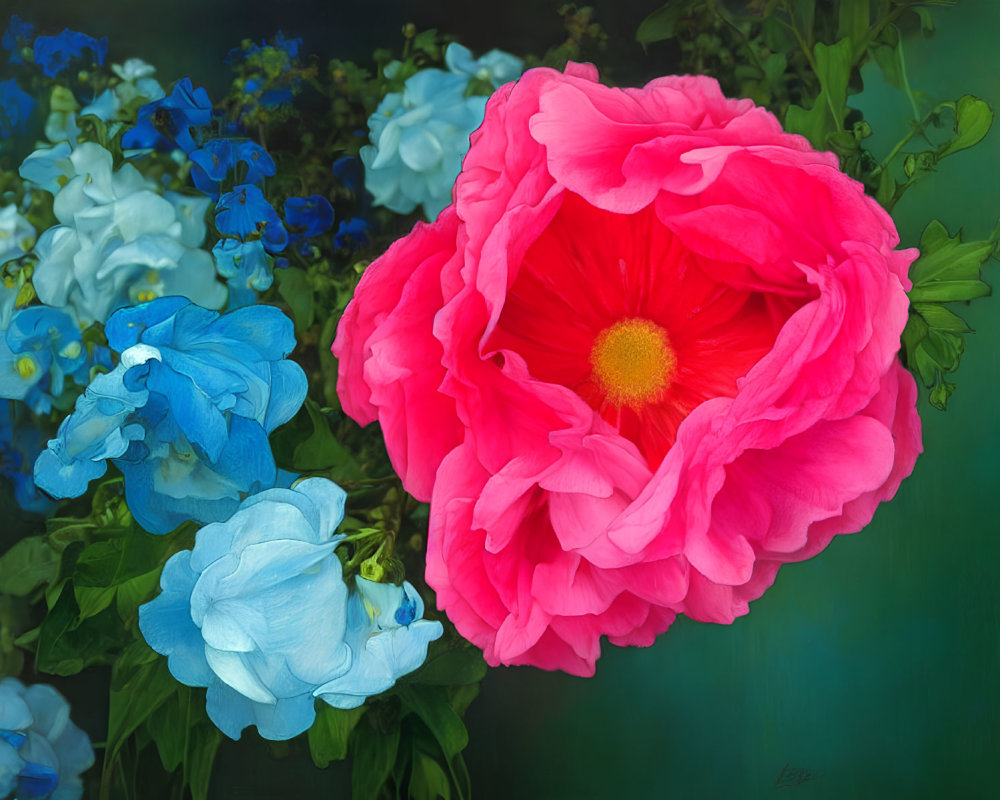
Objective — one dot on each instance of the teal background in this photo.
(870, 671)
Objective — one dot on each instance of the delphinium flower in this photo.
(252, 232)
(120, 242)
(16, 38)
(16, 106)
(166, 123)
(20, 443)
(418, 138)
(259, 613)
(212, 163)
(185, 414)
(136, 82)
(495, 67)
(305, 218)
(42, 753)
(54, 53)
(646, 358)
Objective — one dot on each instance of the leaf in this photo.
(134, 701)
(374, 755)
(949, 291)
(322, 451)
(661, 24)
(430, 703)
(973, 119)
(330, 733)
(459, 665)
(30, 563)
(889, 57)
(941, 318)
(67, 643)
(833, 68)
(295, 288)
(428, 781)
(855, 16)
(947, 258)
(205, 741)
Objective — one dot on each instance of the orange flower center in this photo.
(633, 362)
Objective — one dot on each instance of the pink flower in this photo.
(646, 357)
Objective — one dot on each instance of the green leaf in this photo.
(944, 258)
(940, 393)
(459, 665)
(322, 451)
(774, 67)
(855, 16)
(804, 15)
(205, 741)
(92, 600)
(30, 563)
(295, 289)
(661, 24)
(941, 318)
(135, 699)
(330, 733)
(973, 119)
(67, 643)
(889, 57)
(374, 755)
(430, 703)
(926, 22)
(949, 291)
(833, 68)
(428, 781)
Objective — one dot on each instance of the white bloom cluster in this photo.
(119, 241)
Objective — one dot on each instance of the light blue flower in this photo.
(496, 66)
(418, 139)
(186, 413)
(258, 612)
(38, 349)
(42, 753)
(136, 82)
(17, 235)
(120, 242)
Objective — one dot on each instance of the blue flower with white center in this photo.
(258, 612)
(54, 53)
(166, 123)
(42, 753)
(212, 163)
(17, 37)
(186, 413)
(16, 106)
(307, 217)
(496, 66)
(38, 349)
(418, 139)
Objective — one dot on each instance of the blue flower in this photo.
(186, 413)
(211, 164)
(245, 214)
(54, 53)
(351, 233)
(258, 612)
(16, 106)
(20, 443)
(247, 268)
(165, 124)
(42, 753)
(38, 349)
(17, 36)
(307, 217)
(418, 140)
(496, 66)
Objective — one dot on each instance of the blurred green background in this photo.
(870, 671)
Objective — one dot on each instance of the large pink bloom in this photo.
(646, 357)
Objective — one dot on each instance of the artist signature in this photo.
(795, 776)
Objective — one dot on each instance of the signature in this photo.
(791, 777)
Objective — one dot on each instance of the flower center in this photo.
(633, 362)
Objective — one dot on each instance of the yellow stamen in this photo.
(633, 362)
(145, 297)
(26, 367)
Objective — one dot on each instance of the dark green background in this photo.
(870, 671)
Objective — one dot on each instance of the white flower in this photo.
(120, 242)
(17, 235)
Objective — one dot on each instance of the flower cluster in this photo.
(42, 753)
(419, 136)
(259, 613)
(186, 413)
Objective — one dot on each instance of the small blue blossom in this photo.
(496, 67)
(16, 106)
(258, 612)
(17, 36)
(247, 268)
(212, 163)
(186, 413)
(307, 217)
(166, 123)
(418, 140)
(42, 753)
(352, 232)
(245, 214)
(38, 349)
(54, 53)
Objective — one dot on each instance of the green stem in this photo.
(917, 128)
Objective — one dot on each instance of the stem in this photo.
(917, 128)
